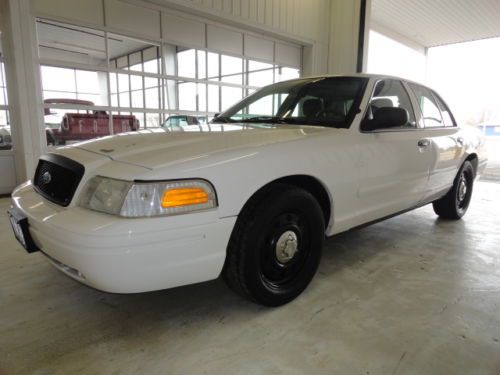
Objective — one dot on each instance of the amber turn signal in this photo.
(183, 197)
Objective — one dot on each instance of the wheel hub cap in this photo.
(286, 247)
(462, 189)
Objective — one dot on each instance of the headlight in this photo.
(143, 199)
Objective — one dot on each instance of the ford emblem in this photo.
(46, 178)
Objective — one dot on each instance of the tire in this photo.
(275, 246)
(455, 203)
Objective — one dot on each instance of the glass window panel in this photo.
(130, 53)
(140, 117)
(3, 118)
(113, 82)
(262, 107)
(152, 98)
(213, 98)
(202, 61)
(151, 66)
(136, 67)
(5, 133)
(58, 79)
(202, 97)
(135, 61)
(229, 96)
(186, 63)
(3, 97)
(137, 99)
(445, 112)
(261, 78)
(135, 82)
(114, 100)
(151, 82)
(187, 96)
(151, 59)
(169, 92)
(67, 126)
(231, 69)
(123, 83)
(58, 95)
(152, 120)
(124, 99)
(389, 93)
(94, 98)
(213, 66)
(283, 74)
(430, 111)
(95, 83)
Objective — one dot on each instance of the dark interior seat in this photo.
(311, 107)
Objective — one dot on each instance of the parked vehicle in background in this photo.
(85, 125)
(253, 197)
(5, 138)
(181, 123)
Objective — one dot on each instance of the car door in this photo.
(393, 165)
(443, 139)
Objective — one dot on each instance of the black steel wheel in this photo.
(275, 247)
(455, 203)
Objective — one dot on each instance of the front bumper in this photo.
(122, 255)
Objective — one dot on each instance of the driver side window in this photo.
(391, 93)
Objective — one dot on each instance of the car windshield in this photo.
(329, 101)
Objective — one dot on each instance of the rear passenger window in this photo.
(445, 112)
(391, 93)
(428, 106)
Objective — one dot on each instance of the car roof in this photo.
(361, 75)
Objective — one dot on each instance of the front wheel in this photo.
(455, 203)
(276, 245)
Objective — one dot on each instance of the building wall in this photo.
(326, 29)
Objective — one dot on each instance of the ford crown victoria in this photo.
(252, 195)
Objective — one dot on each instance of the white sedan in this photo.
(252, 195)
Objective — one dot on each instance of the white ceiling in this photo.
(437, 22)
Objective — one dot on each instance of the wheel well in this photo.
(474, 161)
(310, 184)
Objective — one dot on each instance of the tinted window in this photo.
(391, 93)
(428, 106)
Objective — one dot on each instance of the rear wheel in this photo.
(275, 247)
(455, 203)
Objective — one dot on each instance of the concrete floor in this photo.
(411, 295)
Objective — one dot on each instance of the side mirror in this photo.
(387, 117)
(217, 114)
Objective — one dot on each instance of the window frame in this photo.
(390, 130)
(434, 96)
(5, 107)
(167, 82)
(439, 100)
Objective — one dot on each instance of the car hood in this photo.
(156, 148)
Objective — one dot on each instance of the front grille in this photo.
(57, 177)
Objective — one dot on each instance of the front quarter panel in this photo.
(327, 156)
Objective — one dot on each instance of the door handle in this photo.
(460, 141)
(424, 143)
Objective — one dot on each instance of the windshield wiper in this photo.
(271, 119)
(222, 119)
